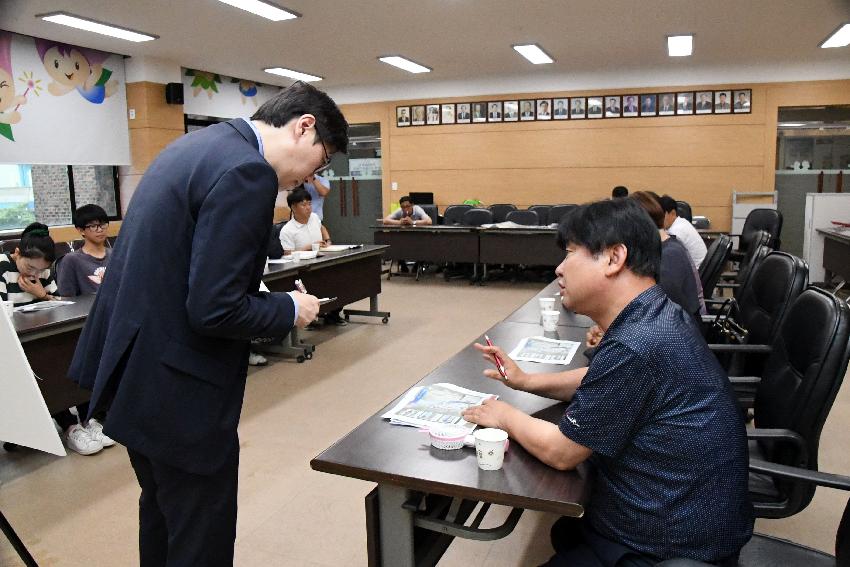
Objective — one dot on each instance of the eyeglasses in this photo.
(327, 161)
(97, 227)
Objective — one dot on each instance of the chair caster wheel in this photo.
(385, 320)
(300, 359)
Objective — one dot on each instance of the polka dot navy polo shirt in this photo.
(668, 440)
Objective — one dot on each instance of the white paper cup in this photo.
(550, 320)
(296, 255)
(315, 247)
(490, 448)
(8, 308)
(546, 304)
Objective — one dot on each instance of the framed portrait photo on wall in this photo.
(448, 113)
(402, 116)
(722, 102)
(479, 112)
(544, 109)
(612, 107)
(561, 108)
(667, 104)
(432, 114)
(464, 116)
(705, 102)
(594, 107)
(630, 106)
(494, 111)
(578, 108)
(743, 100)
(684, 103)
(418, 113)
(526, 110)
(511, 110)
(648, 105)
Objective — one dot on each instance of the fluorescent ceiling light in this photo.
(680, 45)
(533, 53)
(838, 38)
(265, 9)
(406, 64)
(94, 26)
(791, 124)
(297, 75)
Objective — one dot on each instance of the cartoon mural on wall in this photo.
(248, 89)
(90, 129)
(73, 67)
(9, 102)
(204, 81)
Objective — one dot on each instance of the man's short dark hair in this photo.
(405, 199)
(619, 192)
(668, 203)
(299, 99)
(88, 214)
(600, 225)
(298, 195)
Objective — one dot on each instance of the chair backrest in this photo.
(275, 247)
(454, 214)
(748, 268)
(712, 265)
(527, 218)
(701, 222)
(431, 210)
(769, 220)
(776, 283)
(683, 209)
(500, 211)
(426, 198)
(542, 213)
(477, 217)
(557, 212)
(8, 246)
(801, 378)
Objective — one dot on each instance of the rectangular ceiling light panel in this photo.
(94, 26)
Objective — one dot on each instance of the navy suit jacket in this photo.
(165, 346)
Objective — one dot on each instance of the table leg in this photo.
(395, 530)
(372, 312)
(16, 542)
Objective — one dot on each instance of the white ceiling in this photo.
(600, 44)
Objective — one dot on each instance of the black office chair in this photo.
(761, 310)
(557, 212)
(760, 240)
(477, 217)
(275, 250)
(500, 211)
(765, 550)
(8, 246)
(712, 264)
(527, 218)
(701, 222)
(743, 276)
(432, 212)
(542, 213)
(683, 209)
(454, 214)
(769, 220)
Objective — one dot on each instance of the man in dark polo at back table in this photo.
(654, 413)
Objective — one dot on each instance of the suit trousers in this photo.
(185, 519)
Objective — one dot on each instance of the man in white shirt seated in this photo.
(408, 214)
(683, 230)
(304, 230)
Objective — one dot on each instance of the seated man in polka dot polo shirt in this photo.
(654, 413)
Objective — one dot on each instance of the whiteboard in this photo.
(24, 419)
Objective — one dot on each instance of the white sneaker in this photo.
(95, 429)
(79, 440)
(256, 359)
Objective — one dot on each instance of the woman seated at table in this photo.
(25, 278)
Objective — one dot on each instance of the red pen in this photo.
(499, 364)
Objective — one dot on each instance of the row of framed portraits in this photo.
(577, 108)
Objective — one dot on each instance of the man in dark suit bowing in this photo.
(165, 346)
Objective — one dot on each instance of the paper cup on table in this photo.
(315, 247)
(550, 320)
(490, 448)
(8, 308)
(296, 255)
(546, 304)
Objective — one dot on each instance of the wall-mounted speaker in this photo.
(174, 93)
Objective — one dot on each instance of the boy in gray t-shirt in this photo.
(81, 272)
(408, 215)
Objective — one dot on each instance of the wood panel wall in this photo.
(699, 159)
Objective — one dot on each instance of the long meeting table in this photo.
(424, 496)
(49, 337)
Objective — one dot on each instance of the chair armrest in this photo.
(727, 285)
(746, 349)
(729, 274)
(744, 380)
(782, 435)
(828, 480)
(708, 318)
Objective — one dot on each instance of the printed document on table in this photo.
(543, 349)
(436, 404)
(42, 305)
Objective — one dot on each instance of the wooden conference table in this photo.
(49, 337)
(531, 246)
(424, 495)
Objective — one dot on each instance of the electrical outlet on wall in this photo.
(395, 186)
(132, 114)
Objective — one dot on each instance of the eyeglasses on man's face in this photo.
(97, 226)
(327, 161)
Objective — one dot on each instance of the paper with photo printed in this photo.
(435, 404)
(542, 349)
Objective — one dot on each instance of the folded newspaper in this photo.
(546, 350)
(437, 404)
